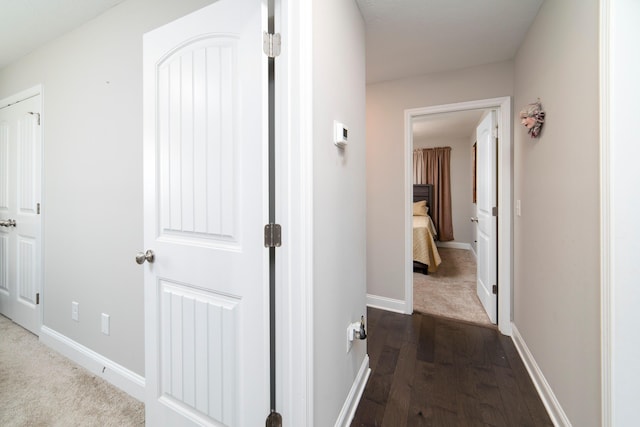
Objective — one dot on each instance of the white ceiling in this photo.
(413, 37)
(27, 24)
(404, 37)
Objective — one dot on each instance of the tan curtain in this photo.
(438, 171)
(419, 170)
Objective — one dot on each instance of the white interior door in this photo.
(206, 199)
(487, 222)
(20, 225)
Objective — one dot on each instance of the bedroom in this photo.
(449, 289)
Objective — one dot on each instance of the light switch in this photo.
(105, 324)
(75, 307)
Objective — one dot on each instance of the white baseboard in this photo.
(454, 245)
(353, 398)
(126, 380)
(556, 413)
(384, 303)
(473, 252)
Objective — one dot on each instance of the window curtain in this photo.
(438, 172)
(419, 167)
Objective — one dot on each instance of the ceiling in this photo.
(414, 37)
(404, 38)
(27, 24)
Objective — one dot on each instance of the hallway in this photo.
(430, 371)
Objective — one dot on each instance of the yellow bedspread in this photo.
(424, 245)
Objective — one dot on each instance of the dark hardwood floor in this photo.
(430, 371)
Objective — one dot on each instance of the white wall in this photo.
(339, 204)
(557, 247)
(386, 103)
(461, 189)
(92, 207)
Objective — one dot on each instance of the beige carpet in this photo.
(39, 387)
(450, 291)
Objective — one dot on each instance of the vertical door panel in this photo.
(4, 166)
(4, 268)
(206, 293)
(487, 223)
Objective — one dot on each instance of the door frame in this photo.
(6, 102)
(294, 211)
(505, 195)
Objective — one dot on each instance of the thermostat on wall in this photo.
(341, 134)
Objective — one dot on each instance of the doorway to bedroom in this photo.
(458, 284)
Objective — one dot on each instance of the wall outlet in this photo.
(351, 334)
(74, 311)
(105, 324)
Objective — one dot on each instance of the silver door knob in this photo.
(8, 223)
(474, 219)
(148, 256)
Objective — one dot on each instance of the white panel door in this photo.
(487, 222)
(20, 187)
(206, 199)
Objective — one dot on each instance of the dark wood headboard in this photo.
(423, 192)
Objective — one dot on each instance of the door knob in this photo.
(8, 223)
(148, 256)
(474, 219)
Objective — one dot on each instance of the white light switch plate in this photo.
(105, 324)
(75, 307)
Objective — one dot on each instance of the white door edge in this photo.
(505, 185)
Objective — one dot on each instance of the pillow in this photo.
(420, 208)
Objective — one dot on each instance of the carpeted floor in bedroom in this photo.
(451, 291)
(39, 387)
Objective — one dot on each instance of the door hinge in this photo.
(38, 208)
(494, 211)
(37, 298)
(495, 289)
(274, 419)
(272, 236)
(271, 44)
(37, 116)
(495, 132)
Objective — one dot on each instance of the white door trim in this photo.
(5, 102)
(606, 226)
(505, 191)
(21, 96)
(620, 345)
(294, 211)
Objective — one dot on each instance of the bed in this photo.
(426, 258)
